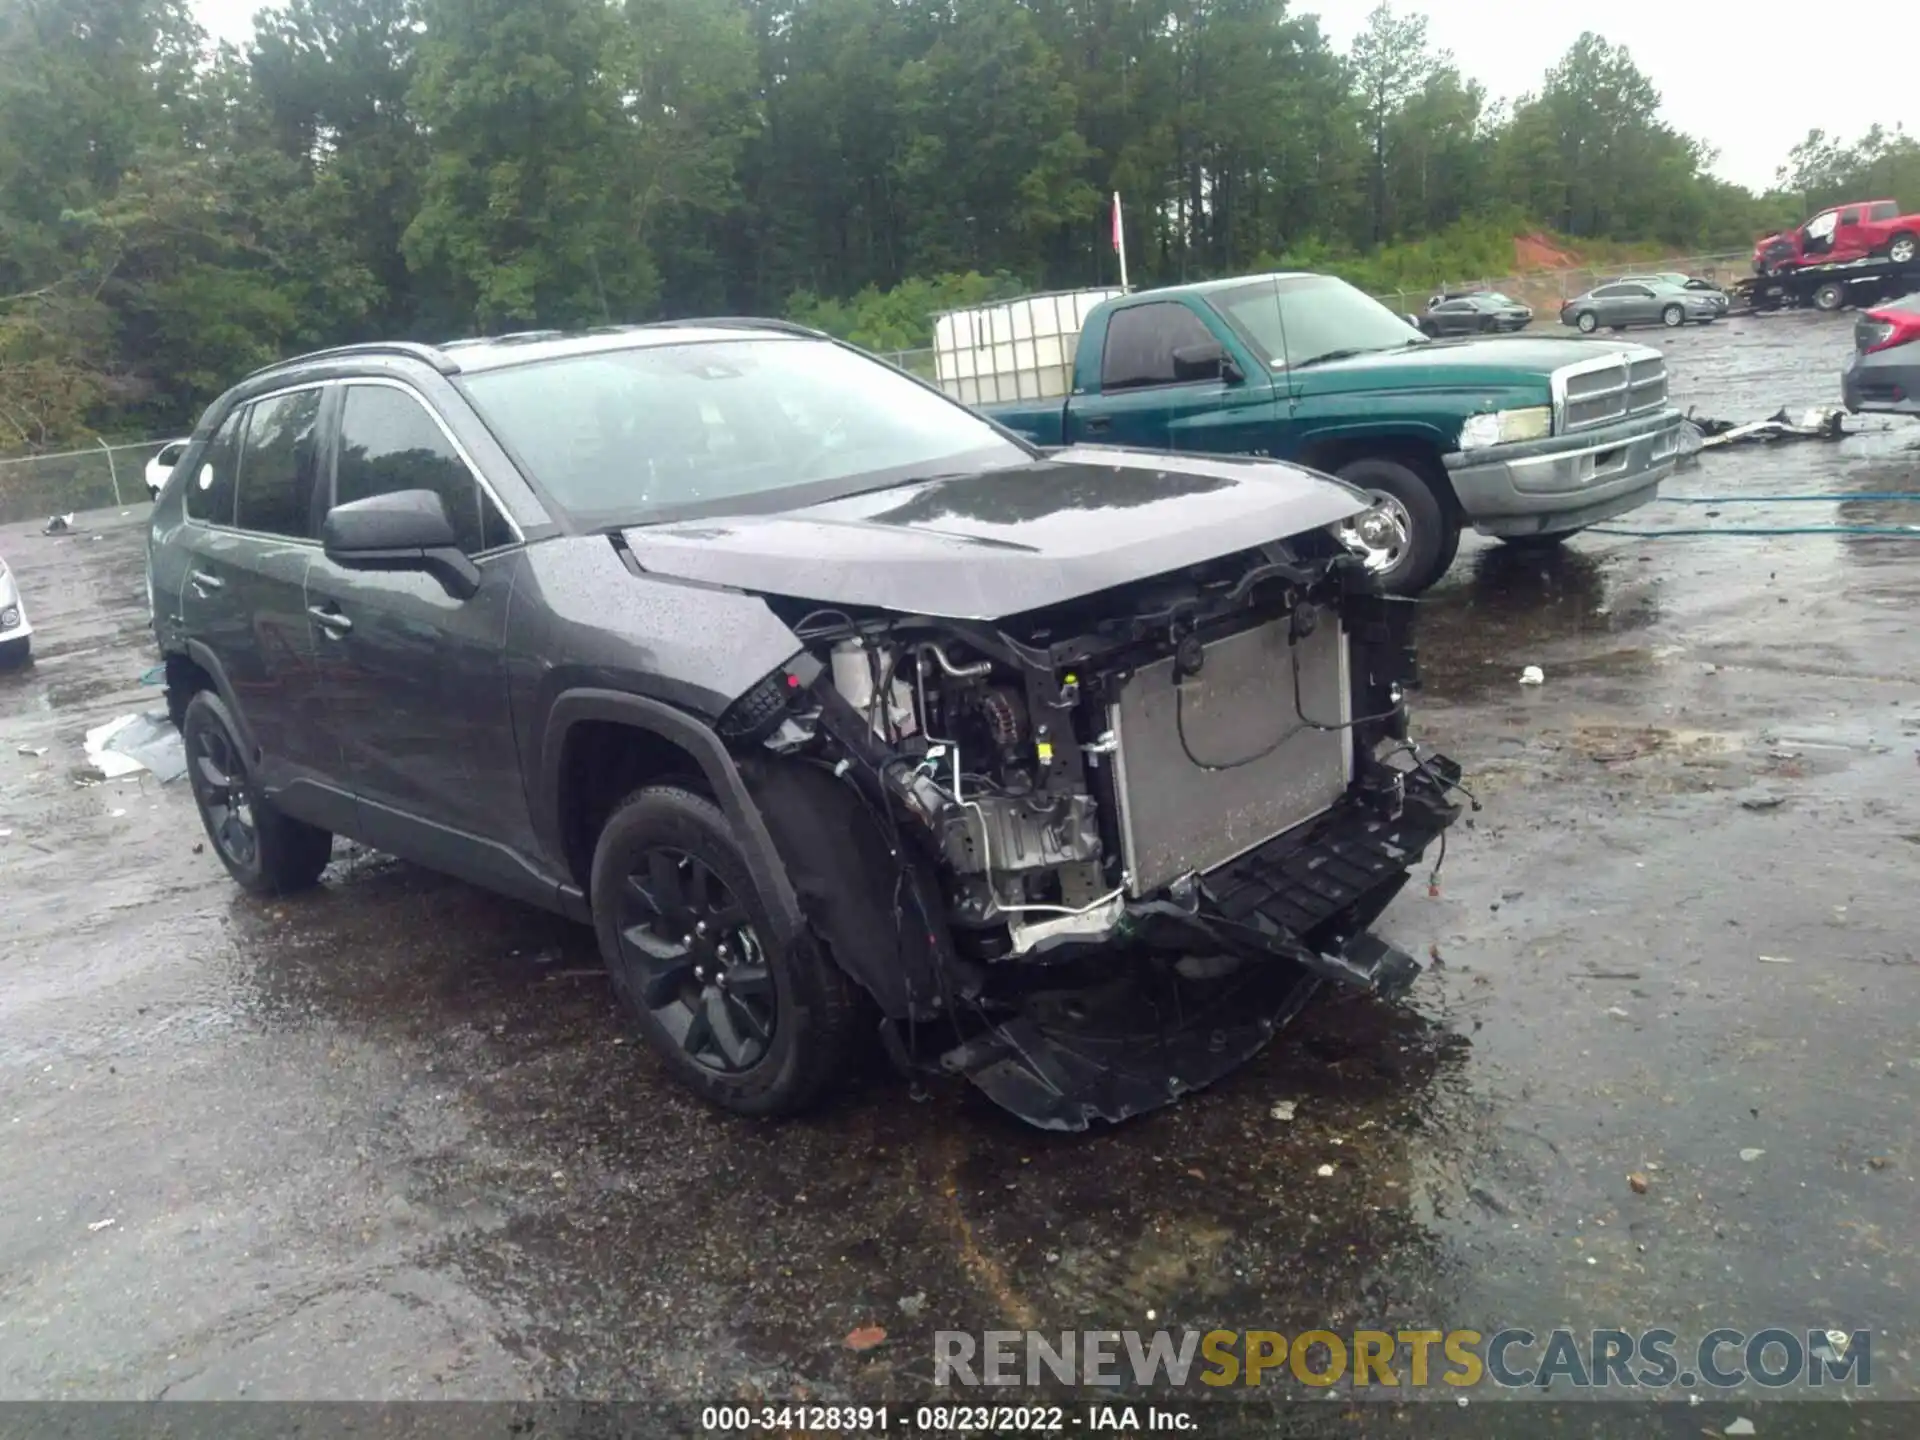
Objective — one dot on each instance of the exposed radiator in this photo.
(1177, 817)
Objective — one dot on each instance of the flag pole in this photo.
(1120, 241)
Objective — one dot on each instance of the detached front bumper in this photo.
(1563, 483)
(1217, 969)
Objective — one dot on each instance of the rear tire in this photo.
(750, 1026)
(1433, 535)
(1586, 322)
(266, 852)
(1902, 248)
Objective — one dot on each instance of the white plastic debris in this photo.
(111, 764)
(1325, 1172)
(1776, 960)
(101, 1225)
(1283, 1109)
(1533, 675)
(1741, 1426)
(134, 743)
(1751, 1155)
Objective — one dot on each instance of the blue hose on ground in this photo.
(1911, 532)
(1782, 499)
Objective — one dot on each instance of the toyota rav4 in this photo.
(834, 708)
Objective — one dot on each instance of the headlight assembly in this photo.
(1506, 427)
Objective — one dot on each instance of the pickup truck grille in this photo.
(1238, 714)
(1608, 388)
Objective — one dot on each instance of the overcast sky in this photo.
(1750, 95)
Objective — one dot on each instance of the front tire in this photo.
(1587, 322)
(1431, 535)
(15, 653)
(752, 1027)
(1673, 317)
(266, 852)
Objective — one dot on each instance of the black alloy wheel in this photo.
(693, 960)
(220, 785)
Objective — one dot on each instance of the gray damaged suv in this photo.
(836, 710)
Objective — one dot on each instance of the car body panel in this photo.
(1003, 543)
(1853, 230)
(20, 628)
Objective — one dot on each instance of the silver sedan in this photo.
(1638, 302)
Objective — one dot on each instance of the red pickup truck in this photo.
(1853, 231)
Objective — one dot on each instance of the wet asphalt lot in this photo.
(392, 1139)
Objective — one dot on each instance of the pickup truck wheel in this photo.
(754, 1027)
(266, 852)
(1410, 539)
(1587, 322)
(1902, 248)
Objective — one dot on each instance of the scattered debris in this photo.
(1876, 1162)
(1762, 800)
(1822, 422)
(1740, 1426)
(33, 751)
(912, 1305)
(1638, 1183)
(134, 743)
(1283, 1109)
(1533, 675)
(865, 1337)
(58, 524)
(102, 1224)
(1776, 959)
(1751, 1155)
(1617, 1013)
(1325, 1172)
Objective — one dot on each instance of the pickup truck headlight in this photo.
(1506, 427)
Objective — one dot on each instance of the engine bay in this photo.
(1068, 771)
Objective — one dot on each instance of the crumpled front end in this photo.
(1132, 832)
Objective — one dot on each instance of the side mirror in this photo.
(1206, 361)
(406, 530)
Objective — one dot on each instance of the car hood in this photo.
(1469, 365)
(983, 546)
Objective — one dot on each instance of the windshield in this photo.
(666, 431)
(1494, 297)
(1298, 319)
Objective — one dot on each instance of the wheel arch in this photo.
(596, 736)
(1419, 453)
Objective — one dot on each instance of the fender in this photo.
(200, 655)
(716, 764)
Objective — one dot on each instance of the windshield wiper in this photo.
(1332, 355)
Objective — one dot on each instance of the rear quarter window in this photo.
(210, 490)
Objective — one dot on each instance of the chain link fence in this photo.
(37, 486)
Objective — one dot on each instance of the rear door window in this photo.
(1141, 341)
(389, 442)
(1885, 210)
(210, 495)
(277, 465)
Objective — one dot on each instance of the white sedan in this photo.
(16, 635)
(161, 466)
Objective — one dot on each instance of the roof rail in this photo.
(431, 354)
(738, 322)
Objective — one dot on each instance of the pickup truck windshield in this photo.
(668, 431)
(1298, 319)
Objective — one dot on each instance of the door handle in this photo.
(1097, 424)
(204, 583)
(331, 621)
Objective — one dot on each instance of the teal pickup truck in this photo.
(1528, 439)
